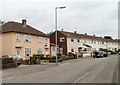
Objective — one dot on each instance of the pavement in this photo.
(83, 70)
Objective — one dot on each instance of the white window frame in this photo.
(40, 39)
(18, 51)
(27, 51)
(27, 38)
(17, 37)
(62, 39)
(39, 51)
(53, 48)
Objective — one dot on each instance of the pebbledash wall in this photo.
(10, 44)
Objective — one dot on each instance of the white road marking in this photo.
(10, 77)
(23, 65)
(63, 64)
(7, 78)
(80, 78)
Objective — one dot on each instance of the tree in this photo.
(48, 34)
(107, 37)
(2, 22)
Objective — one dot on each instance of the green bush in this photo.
(101, 49)
(40, 55)
(26, 62)
(59, 54)
(45, 60)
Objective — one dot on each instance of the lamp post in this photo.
(56, 28)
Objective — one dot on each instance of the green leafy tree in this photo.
(48, 34)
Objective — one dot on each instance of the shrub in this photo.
(26, 62)
(50, 56)
(40, 55)
(101, 49)
(59, 54)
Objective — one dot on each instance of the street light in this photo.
(56, 28)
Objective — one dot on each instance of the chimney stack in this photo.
(85, 33)
(24, 23)
(62, 30)
(75, 31)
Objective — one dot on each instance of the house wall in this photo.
(112, 45)
(95, 46)
(7, 44)
(0, 45)
(10, 44)
(73, 45)
(61, 44)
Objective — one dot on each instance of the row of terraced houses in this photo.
(23, 40)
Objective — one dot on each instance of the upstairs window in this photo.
(27, 38)
(62, 39)
(46, 39)
(40, 39)
(18, 37)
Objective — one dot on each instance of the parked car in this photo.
(105, 54)
(118, 53)
(16, 58)
(99, 54)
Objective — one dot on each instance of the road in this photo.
(83, 70)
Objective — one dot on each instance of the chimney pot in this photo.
(24, 23)
(75, 31)
(85, 33)
(62, 30)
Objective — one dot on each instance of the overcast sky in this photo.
(99, 17)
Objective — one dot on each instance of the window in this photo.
(85, 49)
(78, 40)
(27, 51)
(72, 50)
(62, 39)
(40, 39)
(46, 51)
(102, 42)
(39, 51)
(46, 39)
(84, 41)
(92, 41)
(72, 40)
(53, 48)
(18, 37)
(18, 51)
(61, 50)
(81, 41)
(27, 38)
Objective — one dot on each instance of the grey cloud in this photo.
(84, 17)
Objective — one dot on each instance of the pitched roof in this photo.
(18, 27)
(78, 36)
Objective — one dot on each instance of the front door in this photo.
(18, 52)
